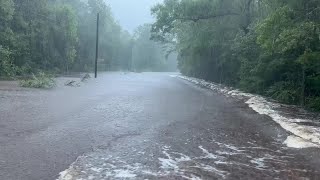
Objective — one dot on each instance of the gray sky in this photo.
(132, 13)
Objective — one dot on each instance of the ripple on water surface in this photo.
(223, 162)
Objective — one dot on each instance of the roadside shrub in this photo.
(41, 80)
(7, 68)
(284, 92)
(313, 103)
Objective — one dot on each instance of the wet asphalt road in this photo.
(142, 126)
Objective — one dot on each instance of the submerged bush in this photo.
(41, 80)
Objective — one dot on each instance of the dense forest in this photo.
(269, 47)
(58, 36)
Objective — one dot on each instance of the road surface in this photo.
(142, 126)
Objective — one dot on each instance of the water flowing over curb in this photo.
(304, 135)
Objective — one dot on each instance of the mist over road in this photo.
(142, 126)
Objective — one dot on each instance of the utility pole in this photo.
(97, 49)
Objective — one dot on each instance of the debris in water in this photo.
(85, 77)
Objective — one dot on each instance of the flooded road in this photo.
(142, 126)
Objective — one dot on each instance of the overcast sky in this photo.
(132, 13)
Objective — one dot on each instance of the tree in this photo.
(147, 54)
(57, 36)
(265, 47)
(66, 34)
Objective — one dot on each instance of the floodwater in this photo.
(149, 126)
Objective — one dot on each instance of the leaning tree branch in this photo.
(195, 19)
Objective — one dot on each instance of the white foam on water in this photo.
(96, 169)
(297, 142)
(230, 147)
(124, 173)
(100, 166)
(148, 172)
(177, 165)
(68, 174)
(262, 106)
(222, 162)
(227, 153)
(168, 163)
(233, 148)
(259, 163)
(193, 177)
(265, 107)
(213, 169)
(208, 154)
(65, 175)
(171, 162)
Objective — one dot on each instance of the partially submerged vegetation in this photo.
(40, 80)
(269, 47)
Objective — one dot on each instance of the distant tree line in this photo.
(59, 36)
(270, 47)
(149, 55)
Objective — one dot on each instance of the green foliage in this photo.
(313, 103)
(7, 68)
(6, 10)
(59, 36)
(68, 37)
(270, 28)
(41, 80)
(266, 47)
(284, 92)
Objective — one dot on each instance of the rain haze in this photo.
(199, 90)
(132, 13)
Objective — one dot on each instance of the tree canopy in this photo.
(59, 36)
(266, 47)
